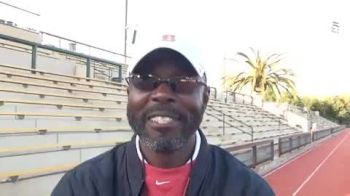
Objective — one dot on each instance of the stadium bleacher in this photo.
(50, 124)
(251, 120)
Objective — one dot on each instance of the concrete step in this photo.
(49, 158)
(42, 185)
(61, 138)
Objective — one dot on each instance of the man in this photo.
(168, 155)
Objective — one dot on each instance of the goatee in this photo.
(163, 144)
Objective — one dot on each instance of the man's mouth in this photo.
(161, 119)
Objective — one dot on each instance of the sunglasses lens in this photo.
(178, 85)
(145, 83)
(185, 86)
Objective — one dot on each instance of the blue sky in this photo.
(300, 30)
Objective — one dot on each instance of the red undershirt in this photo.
(167, 182)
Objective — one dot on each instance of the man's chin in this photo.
(163, 144)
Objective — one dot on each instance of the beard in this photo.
(164, 144)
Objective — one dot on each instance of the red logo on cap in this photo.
(168, 38)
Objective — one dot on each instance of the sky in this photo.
(299, 30)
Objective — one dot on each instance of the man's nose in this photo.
(163, 93)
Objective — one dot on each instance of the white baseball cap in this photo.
(172, 42)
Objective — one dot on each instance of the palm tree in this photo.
(264, 76)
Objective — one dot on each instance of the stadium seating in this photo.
(249, 121)
(322, 123)
(51, 122)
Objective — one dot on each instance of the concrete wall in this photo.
(21, 56)
(20, 33)
(293, 119)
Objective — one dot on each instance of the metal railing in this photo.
(235, 97)
(81, 43)
(226, 122)
(36, 46)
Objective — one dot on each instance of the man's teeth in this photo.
(161, 119)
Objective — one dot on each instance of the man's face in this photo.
(163, 118)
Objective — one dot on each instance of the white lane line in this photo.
(319, 166)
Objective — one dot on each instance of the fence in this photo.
(325, 132)
(289, 143)
(256, 153)
(253, 154)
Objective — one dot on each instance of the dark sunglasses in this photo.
(149, 82)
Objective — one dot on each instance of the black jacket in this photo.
(120, 172)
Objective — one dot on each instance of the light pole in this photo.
(125, 30)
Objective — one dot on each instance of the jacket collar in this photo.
(200, 167)
(135, 168)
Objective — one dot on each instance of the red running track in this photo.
(324, 170)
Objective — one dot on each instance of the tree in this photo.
(341, 104)
(336, 108)
(292, 99)
(264, 77)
